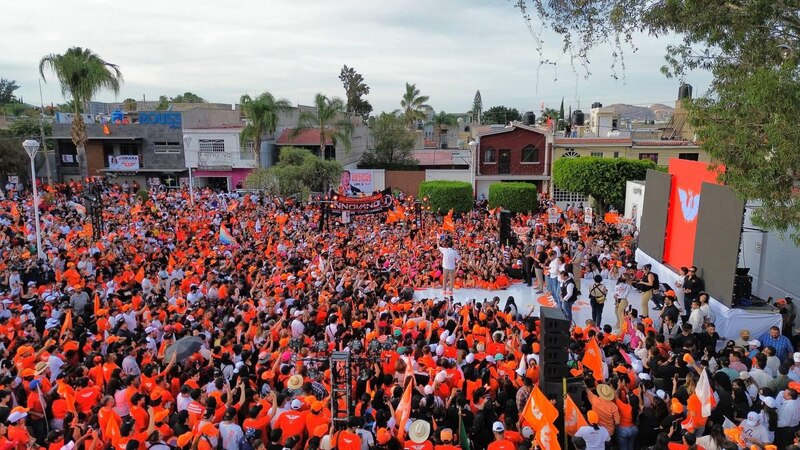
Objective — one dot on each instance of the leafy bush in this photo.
(515, 197)
(143, 195)
(299, 172)
(263, 180)
(601, 178)
(444, 195)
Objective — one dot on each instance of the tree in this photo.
(393, 144)
(355, 89)
(163, 103)
(477, 106)
(130, 105)
(262, 117)
(751, 47)
(330, 118)
(413, 106)
(82, 74)
(13, 158)
(299, 172)
(500, 114)
(547, 112)
(31, 128)
(601, 178)
(440, 123)
(187, 97)
(7, 88)
(263, 180)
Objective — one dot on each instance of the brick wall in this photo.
(514, 141)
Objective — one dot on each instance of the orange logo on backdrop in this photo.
(684, 204)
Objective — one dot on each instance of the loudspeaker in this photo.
(506, 235)
(742, 284)
(555, 390)
(553, 343)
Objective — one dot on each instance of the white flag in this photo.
(703, 392)
(258, 225)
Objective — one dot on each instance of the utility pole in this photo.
(44, 140)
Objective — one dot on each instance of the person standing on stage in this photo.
(450, 259)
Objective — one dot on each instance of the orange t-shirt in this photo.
(292, 423)
(350, 441)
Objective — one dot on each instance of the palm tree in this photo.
(262, 114)
(331, 119)
(441, 121)
(413, 106)
(82, 74)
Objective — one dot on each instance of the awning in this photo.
(133, 172)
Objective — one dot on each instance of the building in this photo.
(216, 156)
(513, 153)
(150, 153)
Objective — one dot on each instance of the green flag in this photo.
(463, 439)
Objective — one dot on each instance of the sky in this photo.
(295, 49)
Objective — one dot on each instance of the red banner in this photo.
(372, 204)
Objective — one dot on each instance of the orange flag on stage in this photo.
(593, 359)
(538, 410)
(573, 418)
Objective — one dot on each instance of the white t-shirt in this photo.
(449, 258)
(595, 439)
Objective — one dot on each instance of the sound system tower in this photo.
(554, 340)
(506, 234)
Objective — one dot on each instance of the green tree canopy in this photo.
(752, 49)
(392, 144)
(413, 106)
(332, 121)
(130, 104)
(299, 172)
(601, 178)
(81, 74)
(187, 97)
(7, 88)
(477, 106)
(262, 117)
(355, 90)
(163, 103)
(500, 115)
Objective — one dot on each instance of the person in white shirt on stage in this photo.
(450, 259)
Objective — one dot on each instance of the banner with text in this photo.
(372, 204)
(123, 162)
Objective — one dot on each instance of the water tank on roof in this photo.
(597, 105)
(578, 117)
(529, 118)
(685, 91)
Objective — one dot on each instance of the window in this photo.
(166, 147)
(530, 154)
(597, 154)
(211, 145)
(566, 196)
(616, 154)
(248, 151)
(108, 150)
(570, 153)
(688, 156)
(132, 150)
(69, 154)
(651, 156)
(489, 155)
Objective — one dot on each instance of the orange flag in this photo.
(170, 263)
(68, 393)
(139, 275)
(547, 437)
(112, 433)
(593, 359)
(96, 303)
(106, 130)
(448, 224)
(403, 411)
(14, 211)
(573, 418)
(67, 323)
(538, 411)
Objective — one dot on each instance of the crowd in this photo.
(159, 336)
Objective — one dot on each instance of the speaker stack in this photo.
(554, 341)
(506, 235)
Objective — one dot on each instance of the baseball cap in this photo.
(498, 427)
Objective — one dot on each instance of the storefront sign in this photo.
(171, 119)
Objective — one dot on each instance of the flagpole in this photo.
(564, 410)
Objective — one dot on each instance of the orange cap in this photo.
(446, 435)
(28, 373)
(184, 439)
(676, 406)
(317, 406)
(592, 417)
(383, 436)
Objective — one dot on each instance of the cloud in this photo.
(294, 49)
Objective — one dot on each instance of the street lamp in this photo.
(473, 159)
(186, 141)
(31, 148)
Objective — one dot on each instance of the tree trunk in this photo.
(82, 163)
(79, 139)
(257, 152)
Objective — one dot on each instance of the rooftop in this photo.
(306, 137)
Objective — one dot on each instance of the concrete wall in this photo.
(210, 118)
(406, 180)
(772, 262)
(453, 175)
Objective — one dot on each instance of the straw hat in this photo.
(419, 431)
(295, 382)
(605, 392)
